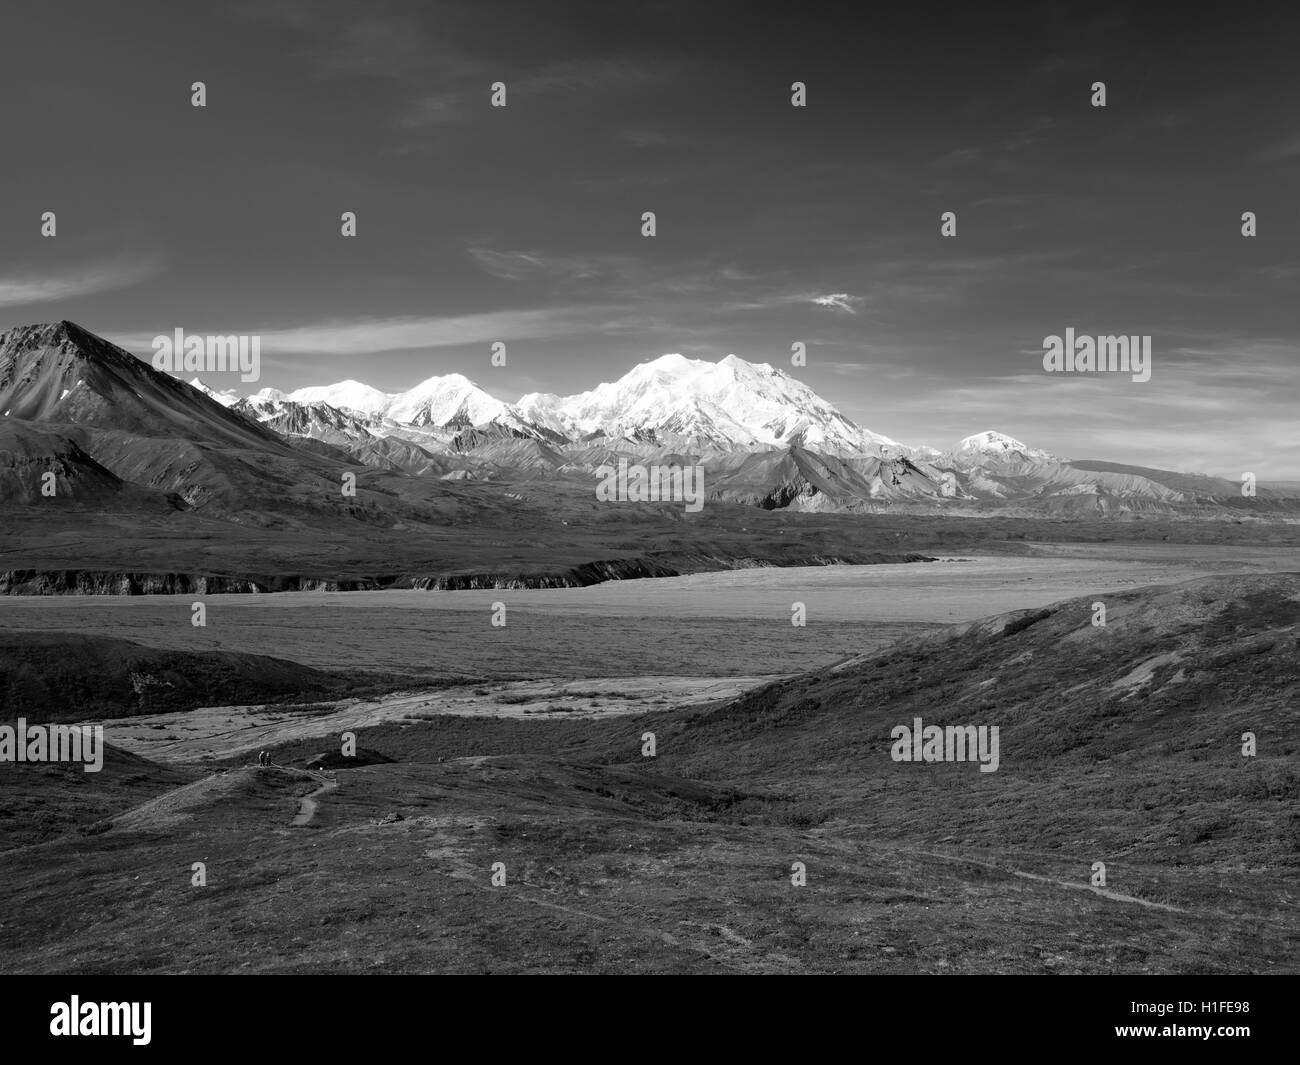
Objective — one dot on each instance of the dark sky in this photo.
(522, 224)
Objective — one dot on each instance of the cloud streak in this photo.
(113, 275)
(368, 336)
(840, 301)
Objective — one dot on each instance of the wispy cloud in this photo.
(1216, 407)
(704, 281)
(840, 301)
(510, 265)
(457, 101)
(1030, 133)
(365, 336)
(960, 156)
(112, 275)
(585, 75)
(339, 43)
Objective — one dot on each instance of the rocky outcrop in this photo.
(671, 564)
(107, 582)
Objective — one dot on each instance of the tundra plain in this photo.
(522, 750)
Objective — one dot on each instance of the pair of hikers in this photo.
(264, 758)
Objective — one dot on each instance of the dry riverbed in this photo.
(222, 731)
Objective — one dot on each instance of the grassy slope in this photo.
(617, 862)
(56, 676)
(42, 801)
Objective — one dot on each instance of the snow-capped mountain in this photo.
(730, 404)
(453, 400)
(228, 398)
(672, 401)
(998, 445)
(275, 410)
(319, 421)
(345, 395)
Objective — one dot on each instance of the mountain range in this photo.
(672, 401)
(765, 438)
(109, 421)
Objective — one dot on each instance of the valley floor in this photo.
(612, 861)
(731, 623)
